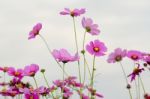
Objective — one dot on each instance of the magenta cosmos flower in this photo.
(30, 93)
(116, 56)
(89, 26)
(134, 55)
(73, 13)
(136, 72)
(31, 70)
(96, 48)
(35, 31)
(63, 55)
(4, 69)
(16, 73)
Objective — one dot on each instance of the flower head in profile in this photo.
(4, 69)
(73, 13)
(134, 55)
(96, 48)
(35, 31)
(64, 56)
(147, 59)
(136, 72)
(31, 70)
(30, 93)
(89, 26)
(116, 56)
(16, 73)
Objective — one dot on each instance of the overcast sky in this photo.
(123, 23)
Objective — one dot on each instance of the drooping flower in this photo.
(73, 13)
(116, 56)
(89, 26)
(64, 56)
(35, 31)
(43, 90)
(136, 72)
(134, 55)
(96, 48)
(31, 70)
(16, 73)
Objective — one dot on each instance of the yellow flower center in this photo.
(96, 49)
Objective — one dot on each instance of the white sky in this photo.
(124, 23)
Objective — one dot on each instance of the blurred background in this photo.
(123, 23)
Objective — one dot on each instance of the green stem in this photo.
(76, 43)
(126, 79)
(35, 82)
(142, 84)
(63, 71)
(139, 87)
(93, 71)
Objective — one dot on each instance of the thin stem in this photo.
(35, 82)
(76, 43)
(142, 84)
(63, 71)
(83, 52)
(46, 80)
(45, 42)
(139, 87)
(125, 79)
(93, 71)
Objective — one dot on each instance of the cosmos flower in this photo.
(136, 72)
(31, 70)
(147, 59)
(89, 26)
(4, 69)
(116, 56)
(16, 73)
(146, 96)
(134, 55)
(30, 93)
(96, 48)
(94, 93)
(64, 56)
(73, 13)
(35, 31)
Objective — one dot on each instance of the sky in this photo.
(123, 23)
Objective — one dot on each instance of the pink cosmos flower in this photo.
(63, 55)
(30, 93)
(96, 48)
(35, 31)
(89, 26)
(4, 69)
(146, 96)
(136, 72)
(116, 56)
(73, 13)
(16, 73)
(134, 55)
(94, 93)
(31, 70)
(147, 59)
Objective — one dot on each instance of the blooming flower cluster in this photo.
(68, 86)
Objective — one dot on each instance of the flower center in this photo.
(31, 97)
(88, 29)
(17, 73)
(96, 49)
(72, 13)
(136, 70)
(118, 58)
(134, 57)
